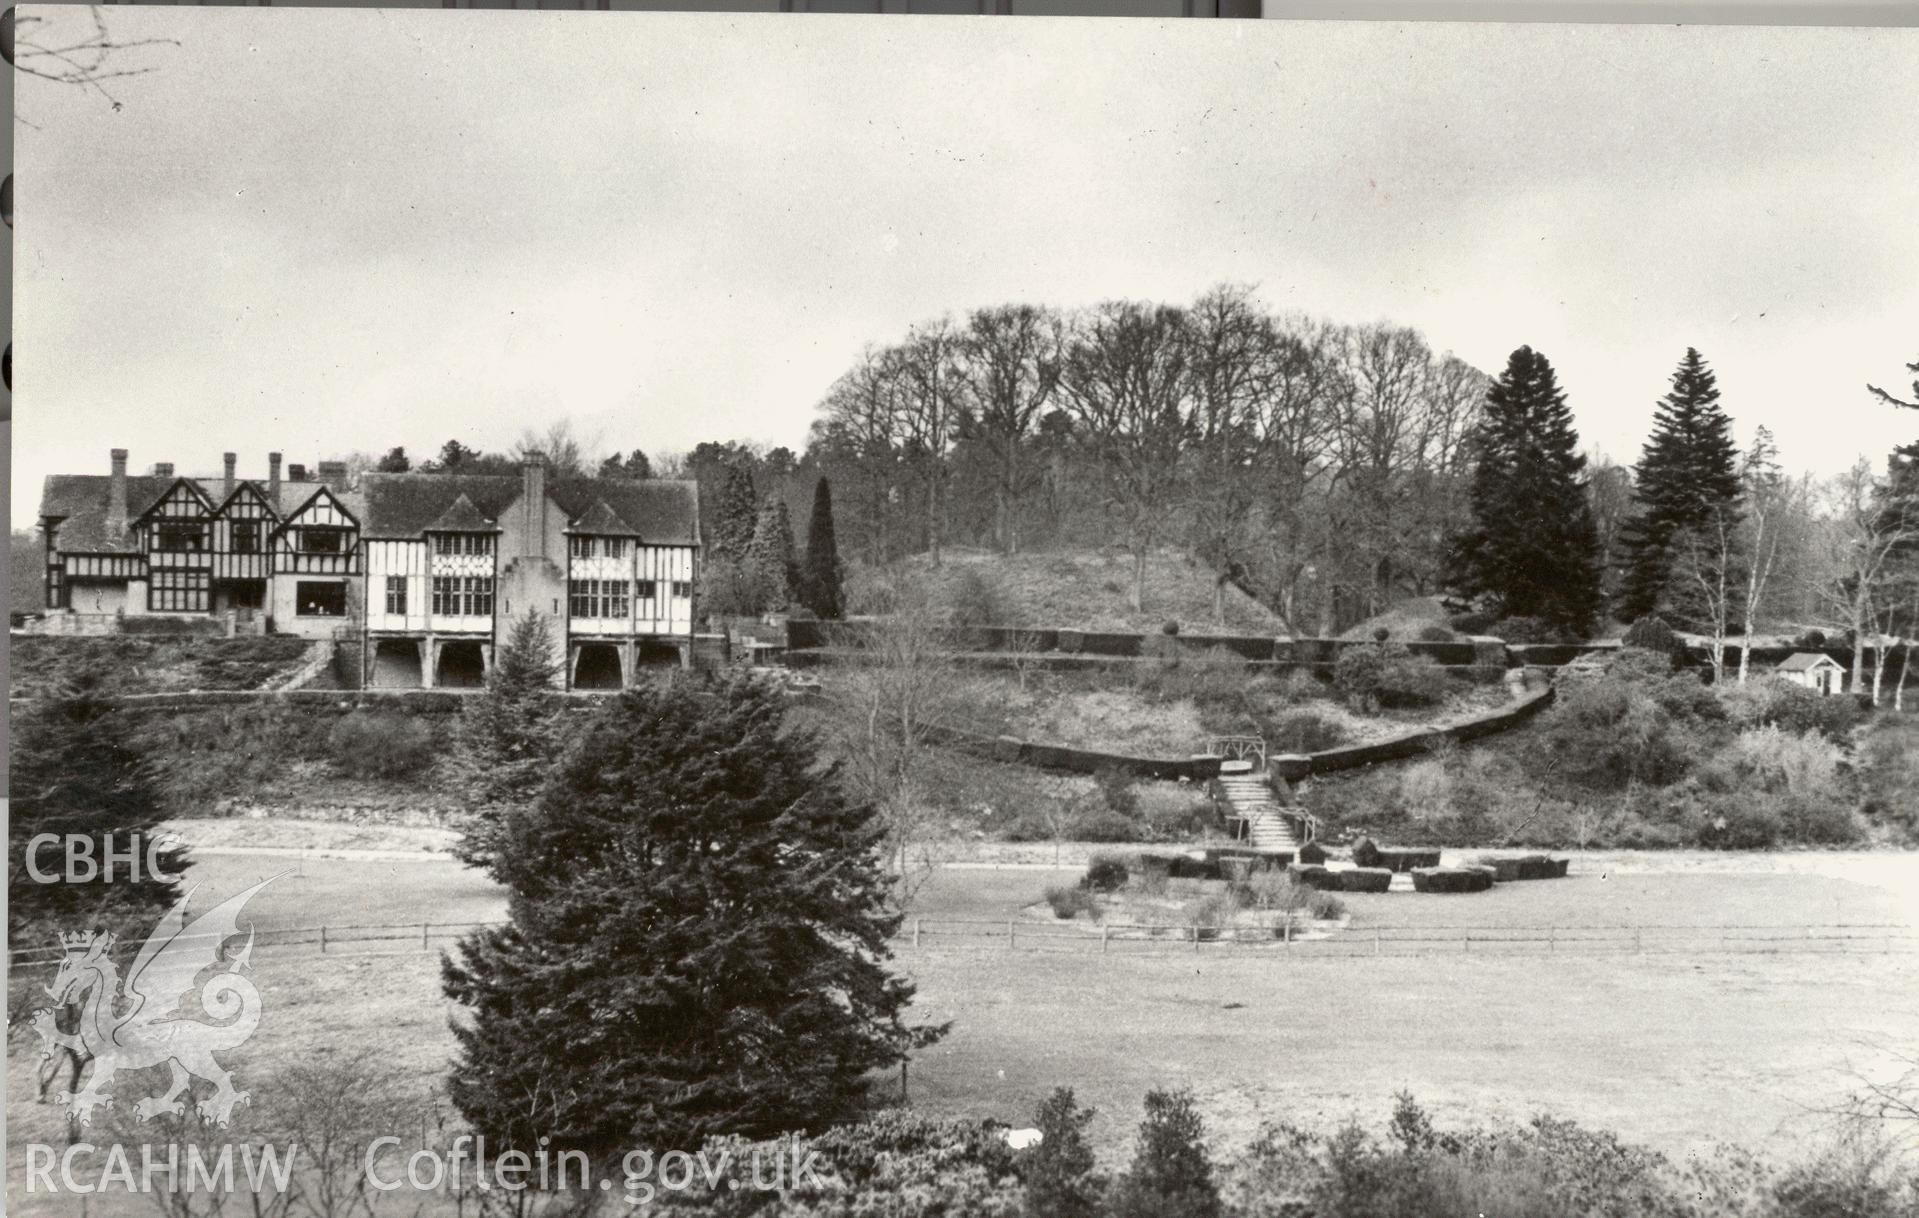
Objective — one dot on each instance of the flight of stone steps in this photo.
(1249, 797)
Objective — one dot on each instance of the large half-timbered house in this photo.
(423, 572)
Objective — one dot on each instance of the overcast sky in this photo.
(325, 230)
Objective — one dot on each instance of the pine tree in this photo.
(697, 941)
(1058, 1172)
(78, 771)
(1532, 549)
(1687, 479)
(1170, 1173)
(769, 559)
(820, 575)
(507, 738)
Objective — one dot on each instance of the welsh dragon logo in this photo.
(142, 1023)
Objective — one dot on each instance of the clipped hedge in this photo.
(1524, 867)
(1452, 879)
(1310, 876)
(1368, 853)
(1312, 852)
(1364, 879)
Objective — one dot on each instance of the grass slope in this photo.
(1089, 590)
(136, 665)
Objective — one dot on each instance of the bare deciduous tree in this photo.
(1010, 369)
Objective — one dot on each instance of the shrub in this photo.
(370, 745)
(1412, 681)
(1272, 889)
(975, 600)
(1472, 623)
(1357, 672)
(1435, 633)
(1116, 788)
(1068, 902)
(1365, 879)
(1889, 775)
(1151, 874)
(1381, 635)
(1451, 879)
(1303, 732)
(1215, 911)
(1650, 633)
(1169, 628)
(1812, 640)
(1087, 821)
(1312, 854)
(1324, 905)
(1104, 873)
(1309, 876)
(1789, 707)
(1171, 1174)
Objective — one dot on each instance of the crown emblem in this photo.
(80, 941)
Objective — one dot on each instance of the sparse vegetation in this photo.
(41, 664)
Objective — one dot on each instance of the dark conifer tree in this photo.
(1170, 1172)
(770, 565)
(1687, 477)
(697, 941)
(1058, 1173)
(820, 573)
(735, 515)
(1532, 549)
(508, 737)
(78, 771)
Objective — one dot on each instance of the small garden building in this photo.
(1815, 670)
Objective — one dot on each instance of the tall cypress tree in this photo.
(1532, 549)
(769, 559)
(697, 940)
(820, 573)
(1687, 478)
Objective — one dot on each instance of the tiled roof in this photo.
(81, 501)
(399, 505)
(462, 517)
(407, 505)
(603, 520)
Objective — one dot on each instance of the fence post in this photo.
(916, 932)
(1467, 940)
(423, 926)
(1552, 938)
(1102, 938)
(1375, 940)
(323, 940)
(1638, 947)
(1011, 933)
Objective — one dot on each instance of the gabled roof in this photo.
(462, 517)
(248, 487)
(348, 504)
(206, 501)
(408, 505)
(601, 519)
(79, 501)
(1806, 661)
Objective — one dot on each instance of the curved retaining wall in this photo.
(1294, 766)
(1066, 759)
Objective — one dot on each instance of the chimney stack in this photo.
(230, 460)
(117, 497)
(533, 501)
(163, 469)
(296, 472)
(333, 473)
(273, 479)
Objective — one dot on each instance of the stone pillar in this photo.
(429, 661)
(629, 662)
(686, 652)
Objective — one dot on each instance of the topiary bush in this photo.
(1650, 633)
(1310, 876)
(1400, 859)
(1452, 879)
(1435, 633)
(1312, 854)
(1364, 879)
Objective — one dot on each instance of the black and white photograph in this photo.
(973, 615)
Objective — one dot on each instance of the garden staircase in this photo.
(1248, 797)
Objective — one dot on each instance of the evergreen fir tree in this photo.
(1687, 478)
(508, 737)
(769, 560)
(820, 575)
(1170, 1173)
(697, 941)
(1532, 549)
(735, 515)
(78, 771)
(1058, 1172)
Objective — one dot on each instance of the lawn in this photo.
(1674, 1050)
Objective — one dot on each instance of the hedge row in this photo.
(1452, 879)
(1368, 854)
(1525, 867)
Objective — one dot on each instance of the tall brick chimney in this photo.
(273, 479)
(163, 469)
(229, 460)
(117, 496)
(296, 472)
(533, 501)
(333, 473)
